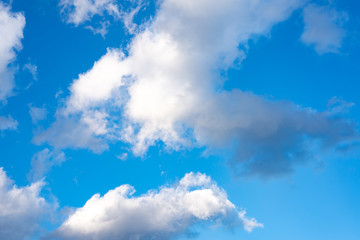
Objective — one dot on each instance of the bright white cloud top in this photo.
(169, 88)
(11, 33)
(21, 209)
(155, 215)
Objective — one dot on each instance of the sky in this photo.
(179, 119)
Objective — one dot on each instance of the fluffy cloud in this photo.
(155, 215)
(21, 209)
(88, 130)
(8, 123)
(169, 88)
(11, 32)
(323, 28)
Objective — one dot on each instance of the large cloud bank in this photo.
(168, 87)
(156, 215)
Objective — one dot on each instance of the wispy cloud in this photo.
(42, 162)
(32, 68)
(80, 11)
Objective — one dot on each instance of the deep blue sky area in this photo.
(279, 136)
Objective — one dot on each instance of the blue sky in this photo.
(231, 119)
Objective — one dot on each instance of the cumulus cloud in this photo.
(323, 28)
(168, 88)
(11, 32)
(161, 214)
(21, 209)
(43, 161)
(8, 123)
(88, 130)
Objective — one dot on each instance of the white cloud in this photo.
(88, 91)
(156, 215)
(37, 113)
(88, 131)
(8, 123)
(21, 209)
(11, 33)
(83, 11)
(80, 11)
(43, 161)
(168, 88)
(323, 28)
